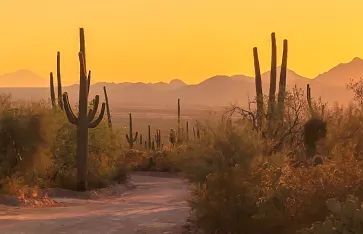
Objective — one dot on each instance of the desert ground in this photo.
(156, 205)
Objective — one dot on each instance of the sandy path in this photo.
(156, 206)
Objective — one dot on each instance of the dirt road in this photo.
(156, 206)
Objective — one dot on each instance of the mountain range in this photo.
(218, 90)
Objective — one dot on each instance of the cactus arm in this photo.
(97, 121)
(128, 138)
(52, 94)
(68, 109)
(92, 112)
(136, 135)
(88, 82)
(59, 82)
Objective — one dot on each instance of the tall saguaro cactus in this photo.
(130, 138)
(108, 112)
(85, 120)
(273, 74)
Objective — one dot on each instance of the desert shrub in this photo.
(344, 218)
(25, 132)
(165, 160)
(38, 146)
(268, 195)
(238, 188)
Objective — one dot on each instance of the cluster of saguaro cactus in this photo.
(59, 86)
(131, 138)
(86, 118)
(108, 112)
(271, 112)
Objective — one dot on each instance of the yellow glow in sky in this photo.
(159, 40)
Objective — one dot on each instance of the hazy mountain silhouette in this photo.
(22, 78)
(217, 90)
(341, 74)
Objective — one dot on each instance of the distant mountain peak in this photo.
(356, 59)
(21, 72)
(177, 82)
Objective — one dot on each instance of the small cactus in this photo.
(172, 137)
(149, 137)
(179, 138)
(153, 145)
(130, 138)
(187, 131)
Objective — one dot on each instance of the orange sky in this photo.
(159, 40)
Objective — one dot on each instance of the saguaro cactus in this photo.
(308, 97)
(172, 137)
(149, 137)
(59, 83)
(179, 133)
(52, 94)
(187, 131)
(86, 119)
(158, 139)
(153, 145)
(282, 84)
(109, 121)
(272, 92)
(258, 83)
(131, 139)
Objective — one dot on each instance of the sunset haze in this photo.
(159, 40)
